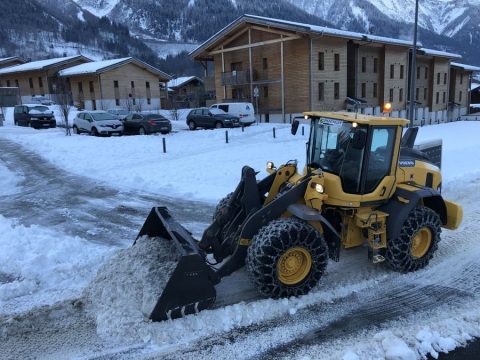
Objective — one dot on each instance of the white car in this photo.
(97, 123)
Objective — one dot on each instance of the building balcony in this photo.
(236, 77)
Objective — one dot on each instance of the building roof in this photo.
(41, 64)
(98, 67)
(312, 29)
(181, 81)
(297, 27)
(474, 86)
(438, 53)
(465, 66)
(11, 58)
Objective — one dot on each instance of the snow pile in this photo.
(127, 287)
(44, 262)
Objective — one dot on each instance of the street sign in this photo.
(256, 92)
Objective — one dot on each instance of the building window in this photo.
(321, 91)
(390, 99)
(392, 71)
(90, 84)
(94, 104)
(16, 83)
(117, 102)
(460, 96)
(445, 78)
(416, 93)
(80, 87)
(30, 81)
(444, 97)
(400, 95)
(149, 101)
(375, 92)
(337, 62)
(437, 97)
(426, 72)
(402, 68)
(1, 84)
(115, 84)
(40, 82)
(418, 72)
(375, 65)
(364, 90)
(8, 83)
(438, 78)
(265, 91)
(424, 93)
(336, 91)
(461, 78)
(147, 85)
(132, 84)
(264, 63)
(364, 64)
(134, 101)
(321, 61)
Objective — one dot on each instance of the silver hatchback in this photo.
(97, 123)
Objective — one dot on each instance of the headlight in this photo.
(33, 119)
(270, 165)
(319, 188)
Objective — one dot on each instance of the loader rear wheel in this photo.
(417, 242)
(287, 258)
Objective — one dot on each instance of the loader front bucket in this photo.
(191, 286)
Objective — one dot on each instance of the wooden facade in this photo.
(127, 83)
(35, 79)
(296, 67)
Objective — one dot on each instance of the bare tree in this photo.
(64, 101)
(140, 104)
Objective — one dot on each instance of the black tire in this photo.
(221, 205)
(218, 125)
(271, 243)
(94, 132)
(75, 130)
(142, 131)
(400, 251)
(192, 125)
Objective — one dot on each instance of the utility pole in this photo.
(411, 107)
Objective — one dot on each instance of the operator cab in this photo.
(359, 151)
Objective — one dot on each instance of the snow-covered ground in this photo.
(40, 263)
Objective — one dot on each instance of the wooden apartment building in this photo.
(38, 77)
(295, 67)
(127, 82)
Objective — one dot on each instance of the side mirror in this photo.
(294, 128)
(359, 140)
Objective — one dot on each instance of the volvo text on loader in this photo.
(363, 183)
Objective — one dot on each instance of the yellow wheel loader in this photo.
(363, 183)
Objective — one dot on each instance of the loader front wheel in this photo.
(417, 242)
(287, 258)
(222, 204)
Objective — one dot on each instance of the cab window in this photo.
(380, 157)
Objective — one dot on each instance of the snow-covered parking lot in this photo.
(42, 265)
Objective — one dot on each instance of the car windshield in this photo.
(103, 116)
(121, 112)
(216, 111)
(39, 108)
(337, 147)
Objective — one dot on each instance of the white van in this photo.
(243, 110)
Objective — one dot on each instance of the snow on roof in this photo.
(39, 65)
(181, 80)
(465, 66)
(474, 86)
(96, 67)
(11, 58)
(92, 67)
(303, 27)
(433, 52)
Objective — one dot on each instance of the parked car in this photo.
(242, 110)
(210, 118)
(144, 124)
(97, 123)
(120, 113)
(34, 115)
